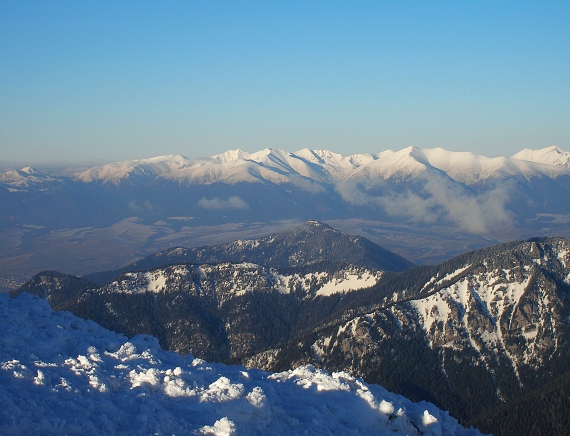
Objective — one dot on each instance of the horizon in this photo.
(107, 81)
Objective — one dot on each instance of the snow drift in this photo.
(61, 374)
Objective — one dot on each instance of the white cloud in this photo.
(439, 200)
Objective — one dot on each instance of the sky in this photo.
(102, 81)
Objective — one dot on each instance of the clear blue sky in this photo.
(85, 81)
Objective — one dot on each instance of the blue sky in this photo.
(93, 81)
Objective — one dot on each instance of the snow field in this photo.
(63, 375)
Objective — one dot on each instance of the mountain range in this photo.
(427, 205)
(317, 166)
(481, 330)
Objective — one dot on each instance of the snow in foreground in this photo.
(60, 374)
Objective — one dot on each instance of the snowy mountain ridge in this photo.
(60, 374)
(141, 168)
(484, 328)
(323, 166)
(278, 166)
(24, 177)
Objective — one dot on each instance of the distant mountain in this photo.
(549, 156)
(16, 180)
(322, 166)
(430, 204)
(311, 242)
(136, 171)
(311, 169)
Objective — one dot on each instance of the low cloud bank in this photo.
(437, 201)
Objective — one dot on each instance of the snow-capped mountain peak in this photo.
(29, 170)
(231, 155)
(307, 167)
(25, 177)
(140, 168)
(552, 155)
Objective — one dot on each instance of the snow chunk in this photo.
(222, 427)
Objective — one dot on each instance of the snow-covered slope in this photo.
(480, 329)
(223, 281)
(315, 170)
(62, 375)
(550, 156)
(464, 167)
(507, 309)
(142, 169)
(310, 168)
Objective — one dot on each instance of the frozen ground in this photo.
(60, 374)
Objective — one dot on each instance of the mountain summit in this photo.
(550, 155)
(308, 243)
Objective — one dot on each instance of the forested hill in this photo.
(486, 328)
(310, 242)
